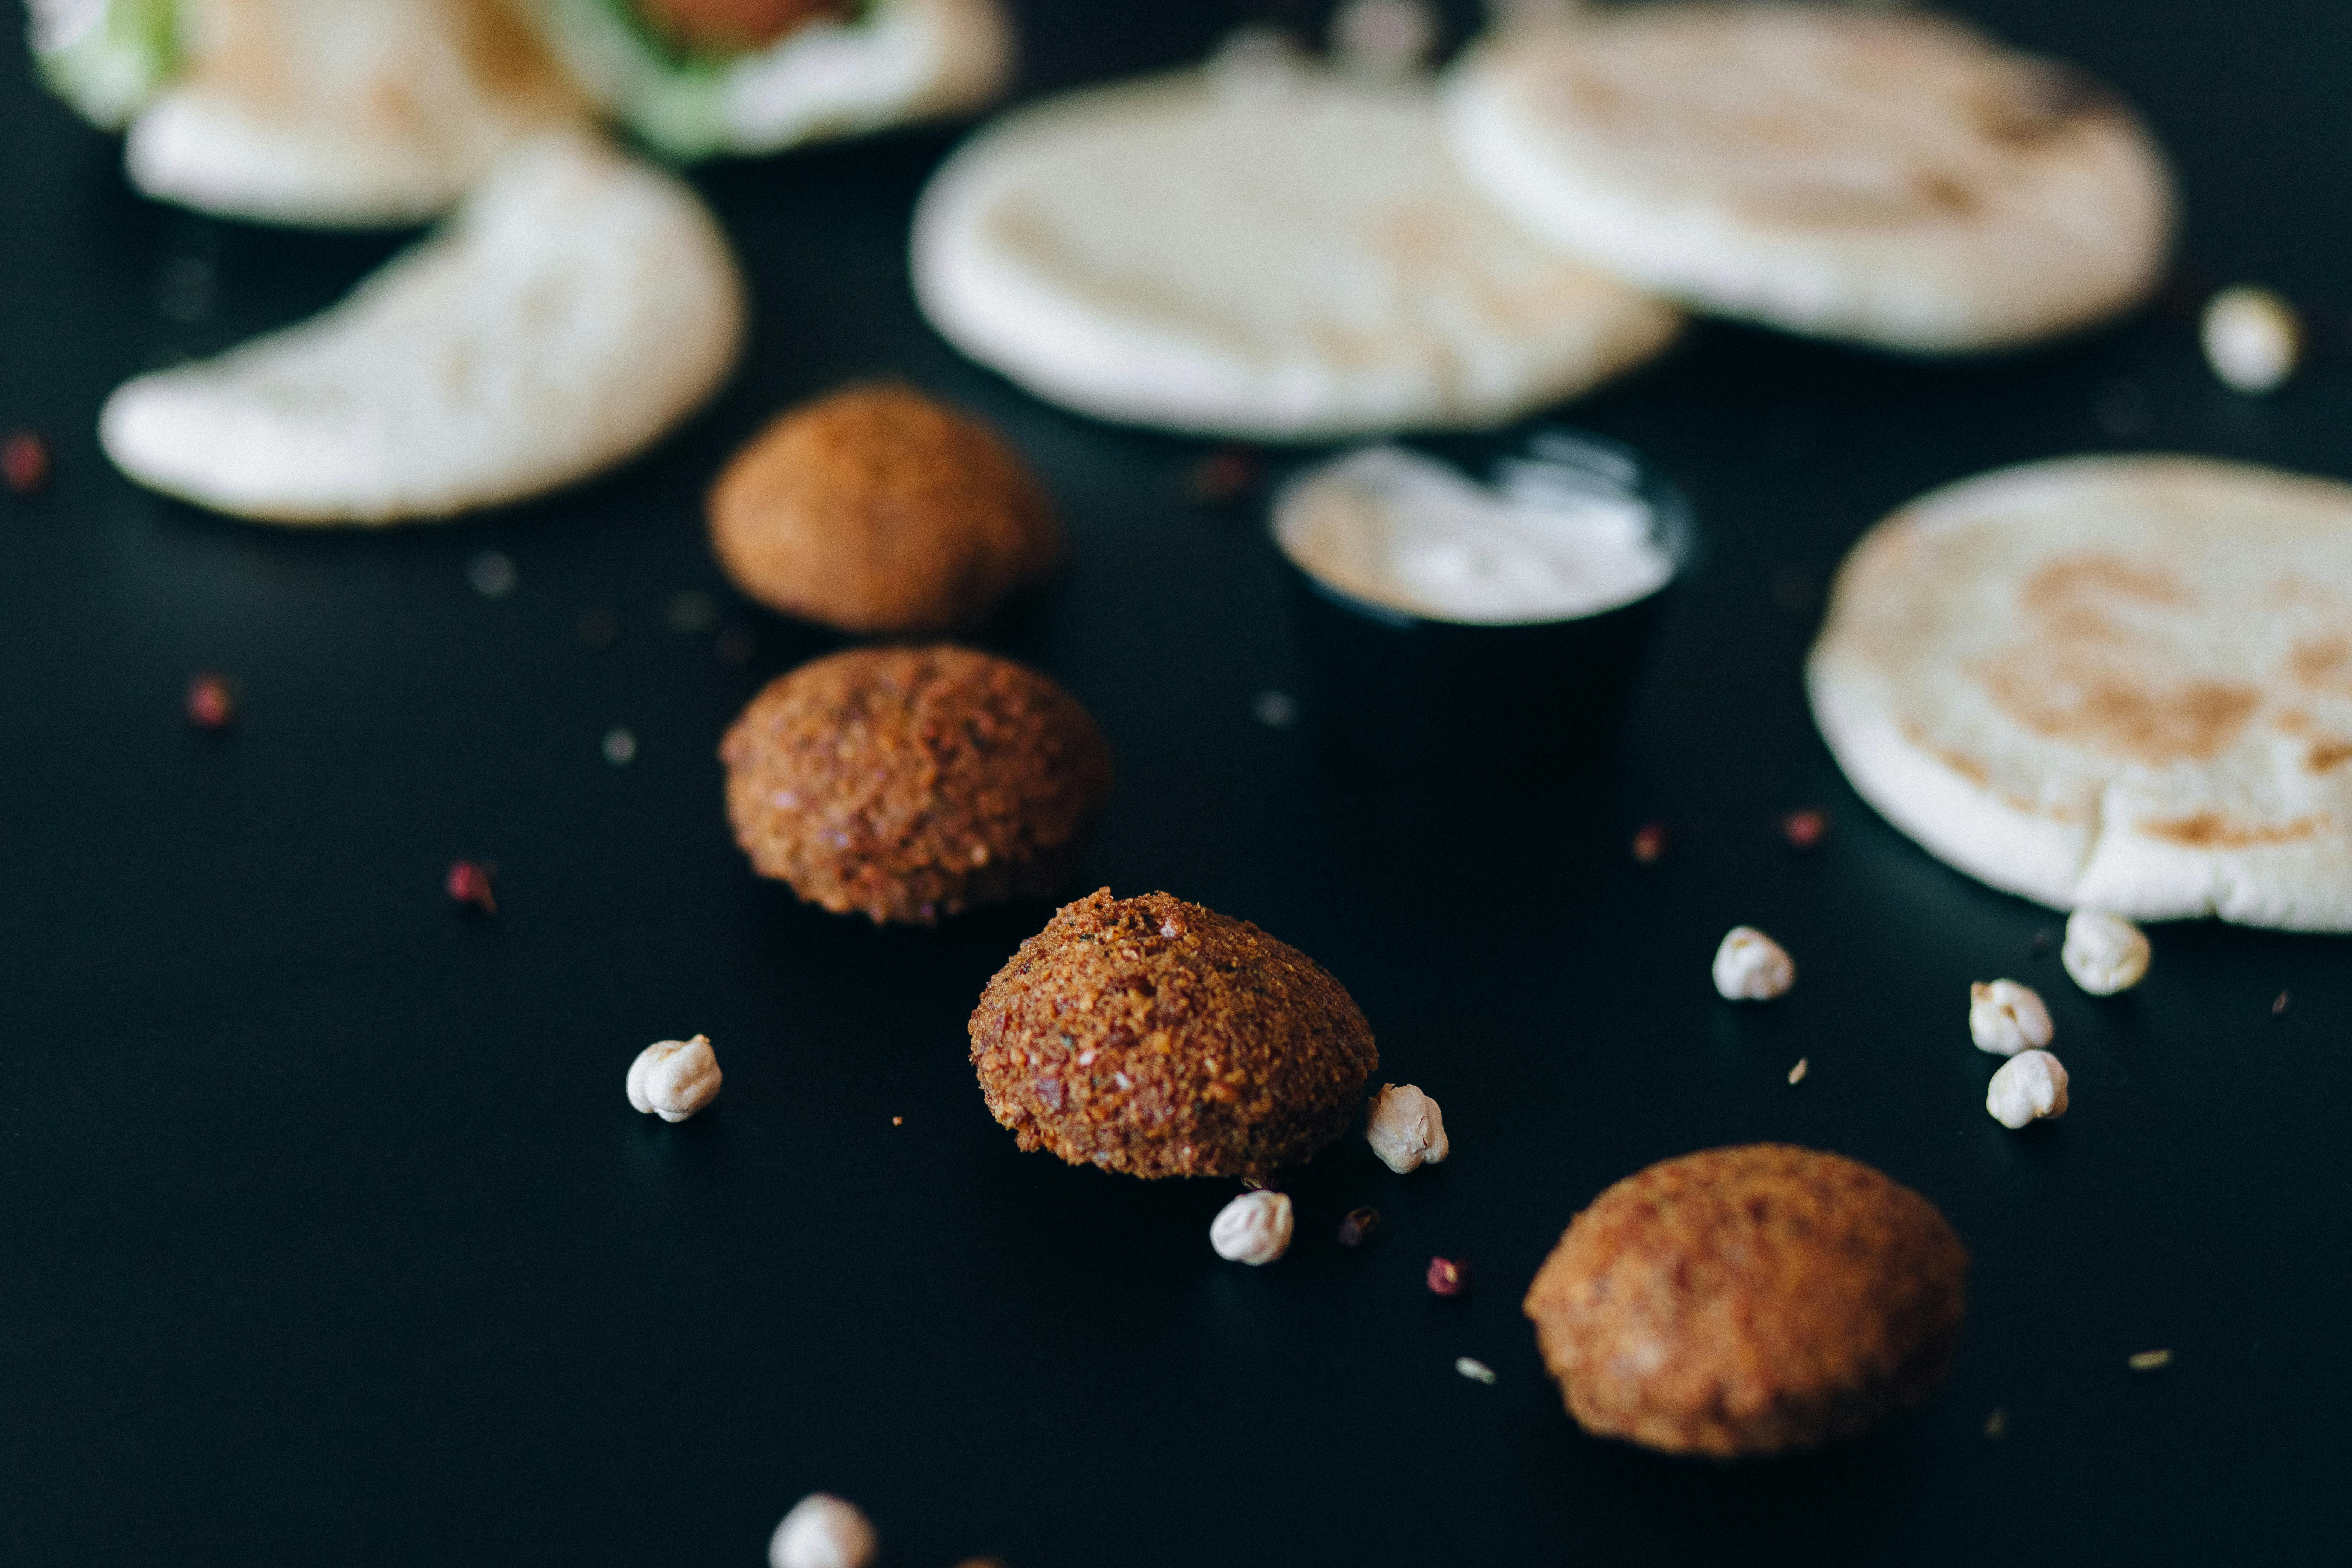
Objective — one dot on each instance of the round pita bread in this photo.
(342, 111)
(1274, 252)
(575, 307)
(902, 60)
(1891, 179)
(2111, 683)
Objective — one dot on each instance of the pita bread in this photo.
(2122, 684)
(1278, 252)
(902, 60)
(575, 307)
(1889, 178)
(342, 111)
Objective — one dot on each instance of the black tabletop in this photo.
(326, 1232)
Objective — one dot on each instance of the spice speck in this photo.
(1805, 829)
(1359, 1225)
(211, 705)
(1448, 1276)
(1224, 474)
(1797, 1073)
(2280, 1006)
(1650, 843)
(2151, 1361)
(23, 461)
(470, 884)
(1476, 1371)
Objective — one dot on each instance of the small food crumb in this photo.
(211, 704)
(599, 628)
(620, 747)
(2253, 338)
(1805, 829)
(2030, 1087)
(23, 461)
(2151, 1361)
(1751, 967)
(898, 1122)
(1476, 1371)
(1254, 1228)
(468, 883)
(492, 575)
(2104, 953)
(674, 1079)
(690, 610)
(2280, 1005)
(1405, 1128)
(1359, 1225)
(1997, 1424)
(1797, 1073)
(2005, 1017)
(1650, 843)
(1448, 1276)
(1274, 709)
(1224, 474)
(823, 1531)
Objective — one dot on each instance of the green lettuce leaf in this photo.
(106, 57)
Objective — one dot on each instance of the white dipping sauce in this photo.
(1556, 537)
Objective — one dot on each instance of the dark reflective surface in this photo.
(326, 1233)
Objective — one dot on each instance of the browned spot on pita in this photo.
(2212, 830)
(2113, 704)
(2317, 661)
(2042, 100)
(1943, 193)
(2071, 579)
(506, 55)
(2291, 722)
(1968, 767)
(2328, 756)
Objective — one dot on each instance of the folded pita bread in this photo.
(1887, 178)
(1263, 250)
(342, 111)
(900, 60)
(2113, 683)
(575, 307)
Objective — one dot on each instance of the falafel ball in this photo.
(1748, 1300)
(910, 783)
(1156, 1037)
(878, 511)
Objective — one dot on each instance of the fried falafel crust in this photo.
(906, 784)
(1749, 1301)
(1160, 1038)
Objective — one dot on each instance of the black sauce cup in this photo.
(1406, 695)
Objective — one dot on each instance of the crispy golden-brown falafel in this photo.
(878, 511)
(1748, 1300)
(1156, 1037)
(912, 782)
